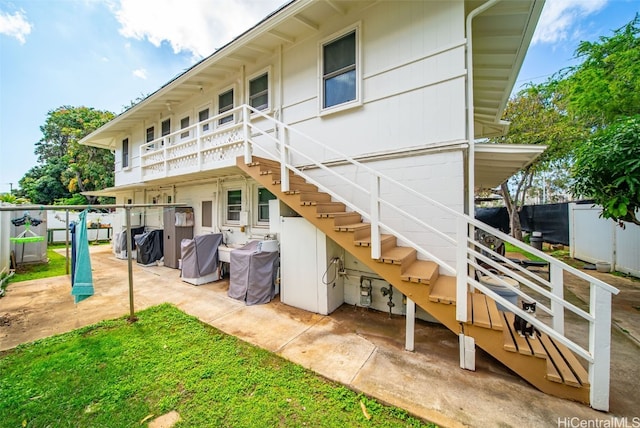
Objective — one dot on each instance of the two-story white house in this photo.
(361, 117)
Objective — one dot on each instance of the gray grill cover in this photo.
(200, 255)
(252, 275)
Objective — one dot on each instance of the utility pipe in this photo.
(470, 122)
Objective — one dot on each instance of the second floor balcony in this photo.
(207, 145)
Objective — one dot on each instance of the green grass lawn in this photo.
(117, 374)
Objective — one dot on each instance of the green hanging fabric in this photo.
(82, 278)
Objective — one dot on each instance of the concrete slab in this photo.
(269, 326)
(330, 350)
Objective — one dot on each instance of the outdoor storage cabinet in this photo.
(178, 225)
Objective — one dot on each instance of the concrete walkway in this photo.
(361, 349)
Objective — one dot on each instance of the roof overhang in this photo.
(500, 38)
(495, 163)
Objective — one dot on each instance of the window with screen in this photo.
(225, 103)
(125, 153)
(184, 124)
(259, 92)
(234, 205)
(202, 116)
(339, 77)
(264, 196)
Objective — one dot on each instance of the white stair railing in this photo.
(270, 138)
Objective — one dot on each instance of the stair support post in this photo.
(461, 270)
(410, 329)
(376, 251)
(467, 352)
(600, 347)
(284, 157)
(557, 289)
(245, 134)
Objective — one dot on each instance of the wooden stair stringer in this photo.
(531, 369)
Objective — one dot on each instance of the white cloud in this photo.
(15, 25)
(560, 17)
(196, 26)
(140, 73)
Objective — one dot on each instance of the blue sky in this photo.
(106, 53)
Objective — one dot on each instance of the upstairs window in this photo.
(339, 72)
(184, 123)
(165, 128)
(234, 205)
(202, 116)
(225, 103)
(259, 92)
(125, 153)
(151, 135)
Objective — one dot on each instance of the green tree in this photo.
(607, 169)
(536, 119)
(603, 91)
(605, 85)
(42, 184)
(85, 168)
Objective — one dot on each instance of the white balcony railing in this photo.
(210, 144)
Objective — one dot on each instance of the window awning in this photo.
(495, 163)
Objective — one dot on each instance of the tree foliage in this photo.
(607, 169)
(67, 168)
(536, 119)
(604, 92)
(585, 114)
(606, 84)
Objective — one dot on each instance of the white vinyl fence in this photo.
(594, 239)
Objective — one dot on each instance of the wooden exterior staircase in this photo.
(546, 364)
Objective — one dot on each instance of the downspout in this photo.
(467, 343)
(470, 124)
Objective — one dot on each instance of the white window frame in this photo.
(235, 103)
(185, 133)
(208, 106)
(256, 199)
(146, 135)
(167, 135)
(357, 102)
(227, 220)
(260, 73)
(126, 138)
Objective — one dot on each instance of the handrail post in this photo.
(557, 289)
(376, 251)
(600, 347)
(245, 134)
(461, 270)
(199, 144)
(284, 157)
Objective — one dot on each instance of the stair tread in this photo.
(366, 242)
(421, 271)
(479, 310)
(495, 315)
(444, 290)
(396, 255)
(559, 365)
(351, 227)
(522, 344)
